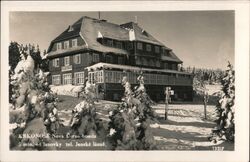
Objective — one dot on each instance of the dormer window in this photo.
(118, 45)
(70, 28)
(66, 44)
(74, 42)
(59, 46)
(110, 43)
(144, 33)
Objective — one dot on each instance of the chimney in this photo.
(136, 19)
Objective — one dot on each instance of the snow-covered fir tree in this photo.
(130, 121)
(32, 104)
(84, 119)
(225, 129)
(143, 97)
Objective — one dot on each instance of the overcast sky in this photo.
(199, 38)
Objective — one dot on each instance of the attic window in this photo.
(110, 42)
(144, 33)
(70, 28)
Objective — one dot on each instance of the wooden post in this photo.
(166, 110)
(205, 104)
(167, 93)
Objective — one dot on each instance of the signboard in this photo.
(67, 68)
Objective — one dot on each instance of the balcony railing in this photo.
(109, 76)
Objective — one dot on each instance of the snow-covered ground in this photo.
(185, 129)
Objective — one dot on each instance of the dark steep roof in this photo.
(66, 34)
(89, 29)
(141, 34)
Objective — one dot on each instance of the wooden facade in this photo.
(104, 52)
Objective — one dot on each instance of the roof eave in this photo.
(54, 55)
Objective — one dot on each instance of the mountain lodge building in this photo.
(104, 52)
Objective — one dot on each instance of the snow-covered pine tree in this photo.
(122, 123)
(129, 122)
(143, 97)
(144, 134)
(225, 129)
(84, 120)
(33, 106)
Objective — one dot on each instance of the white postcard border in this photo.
(241, 67)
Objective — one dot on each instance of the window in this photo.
(138, 61)
(70, 28)
(144, 61)
(159, 79)
(146, 78)
(165, 65)
(67, 78)
(118, 45)
(55, 62)
(116, 76)
(56, 79)
(163, 51)
(79, 78)
(158, 64)
(152, 62)
(145, 33)
(109, 59)
(130, 45)
(152, 79)
(157, 49)
(59, 46)
(77, 59)
(148, 47)
(131, 77)
(74, 42)
(99, 76)
(139, 46)
(66, 61)
(96, 57)
(120, 60)
(110, 43)
(174, 66)
(66, 44)
(91, 77)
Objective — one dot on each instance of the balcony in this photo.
(111, 76)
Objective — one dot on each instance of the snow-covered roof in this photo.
(131, 68)
(91, 29)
